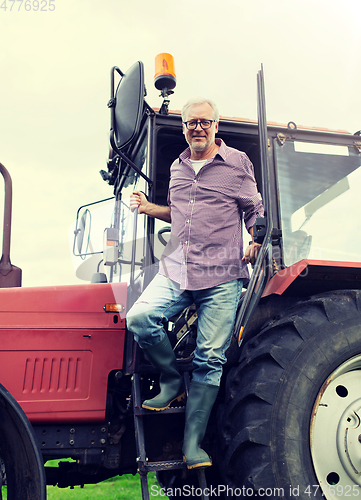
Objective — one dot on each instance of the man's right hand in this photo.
(138, 200)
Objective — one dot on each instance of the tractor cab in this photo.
(309, 180)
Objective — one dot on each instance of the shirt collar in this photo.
(221, 151)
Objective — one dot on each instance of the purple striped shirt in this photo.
(206, 244)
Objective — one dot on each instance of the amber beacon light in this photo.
(164, 78)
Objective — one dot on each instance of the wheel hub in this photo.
(348, 441)
(335, 432)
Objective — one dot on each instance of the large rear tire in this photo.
(22, 467)
(291, 420)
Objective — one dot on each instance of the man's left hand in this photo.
(251, 253)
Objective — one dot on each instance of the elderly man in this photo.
(211, 186)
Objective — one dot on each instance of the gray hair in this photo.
(200, 100)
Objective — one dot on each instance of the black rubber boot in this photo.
(162, 357)
(200, 401)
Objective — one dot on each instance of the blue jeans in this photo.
(216, 309)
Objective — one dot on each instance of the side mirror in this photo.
(127, 105)
(82, 233)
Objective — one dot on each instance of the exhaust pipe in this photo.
(10, 276)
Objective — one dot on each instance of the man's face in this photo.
(199, 139)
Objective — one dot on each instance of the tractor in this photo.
(287, 420)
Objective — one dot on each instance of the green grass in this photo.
(126, 487)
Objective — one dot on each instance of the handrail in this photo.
(256, 286)
(262, 268)
(134, 251)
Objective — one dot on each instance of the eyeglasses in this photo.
(193, 124)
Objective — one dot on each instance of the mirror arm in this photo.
(149, 108)
(127, 160)
(118, 70)
(111, 102)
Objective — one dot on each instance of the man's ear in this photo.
(216, 127)
(184, 129)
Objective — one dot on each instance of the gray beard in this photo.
(196, 146)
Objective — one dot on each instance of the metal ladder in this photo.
(144, 466)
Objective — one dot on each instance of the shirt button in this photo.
(187, 221)
(192, 201)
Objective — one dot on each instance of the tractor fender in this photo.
(19, 452)
(308, 277)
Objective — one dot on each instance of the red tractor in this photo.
(287, 421)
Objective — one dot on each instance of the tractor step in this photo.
(145, 466)
(138, 410)
(163, 465)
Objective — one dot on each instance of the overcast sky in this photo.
(54, 89)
